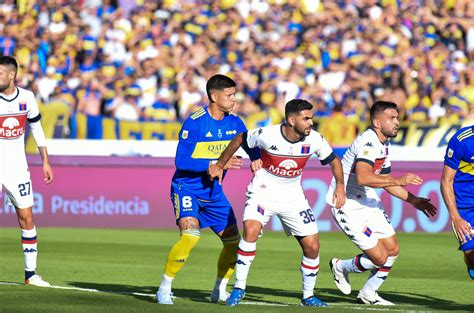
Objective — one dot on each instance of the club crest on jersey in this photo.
(12, 127)
(184, 135)
(367, 231)
(219, 134)
(450, 153)
(22, 106)
(305, 149)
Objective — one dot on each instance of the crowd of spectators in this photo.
(150, 60)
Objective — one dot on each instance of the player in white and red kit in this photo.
(366, 166)
(18, 107)
(276, 190)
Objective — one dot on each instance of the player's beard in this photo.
(390, 133)
(4, 87)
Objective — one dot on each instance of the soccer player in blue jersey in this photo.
(199, 202)
(457, 187)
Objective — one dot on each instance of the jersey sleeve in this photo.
(254, 138)
(323, 151)
(453, 155)
(188, 137)
(33, 110)
(254, 152)
(366, 152)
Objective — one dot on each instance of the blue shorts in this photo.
(468, 216)
(216, 213)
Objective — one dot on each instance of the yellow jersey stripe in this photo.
(466, 167)
(209, 149)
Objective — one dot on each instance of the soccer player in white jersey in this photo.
(17, 107)
(366, 166)
(276, 190)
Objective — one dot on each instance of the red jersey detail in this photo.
(283, 165)
(377, 168)
(12, 126)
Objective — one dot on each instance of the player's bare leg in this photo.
(245, 256)
(309, 269)
(469, 260)
(383, 255)
(179, 253)
(30, 247)
(226, 265)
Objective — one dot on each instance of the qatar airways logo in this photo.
(12, 126)
(287, 168)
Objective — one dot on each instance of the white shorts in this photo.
(293, 210)
(364, 225)
(19, 189)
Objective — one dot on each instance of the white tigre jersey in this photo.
(366, 148)
(15, 111)
(283, 161)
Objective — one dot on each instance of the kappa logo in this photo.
(273, 147)
(10, 123)
(288, 164)
(369, 144)
(30, 250)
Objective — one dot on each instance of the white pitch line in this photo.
(360, 307)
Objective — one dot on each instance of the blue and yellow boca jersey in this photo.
(460, 157)
(202, 139)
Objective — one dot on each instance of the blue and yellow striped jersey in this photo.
(460, 157)
(202, 139)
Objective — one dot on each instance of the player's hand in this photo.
(339, 197)
(410, 179)
(48, 173)
(235, 162)
(424, 205)
(256, 165)
(463, 229)
(215, 170)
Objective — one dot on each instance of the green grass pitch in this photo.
(125, 267)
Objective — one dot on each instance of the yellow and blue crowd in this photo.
(108, 63)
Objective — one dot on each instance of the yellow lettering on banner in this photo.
(81, 121)
(130, 130)
(53, 115)
(108, 128)
(209, 149)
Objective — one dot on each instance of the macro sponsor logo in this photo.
(288, 168)
(12, 126)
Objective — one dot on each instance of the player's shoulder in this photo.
(269, 130)
(25, 92)
(367, 138)
(199, 113)
(315, 135)
(463, 133)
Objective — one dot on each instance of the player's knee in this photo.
(26, 222)
(252, 230)
(394, 251)
(379, 259)
(311, 251)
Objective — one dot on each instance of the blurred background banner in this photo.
(133, 192)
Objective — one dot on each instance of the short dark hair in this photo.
(379, 107)
(218, 82)
(295, 106)
(6, 60)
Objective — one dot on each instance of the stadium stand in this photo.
(142, 66)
